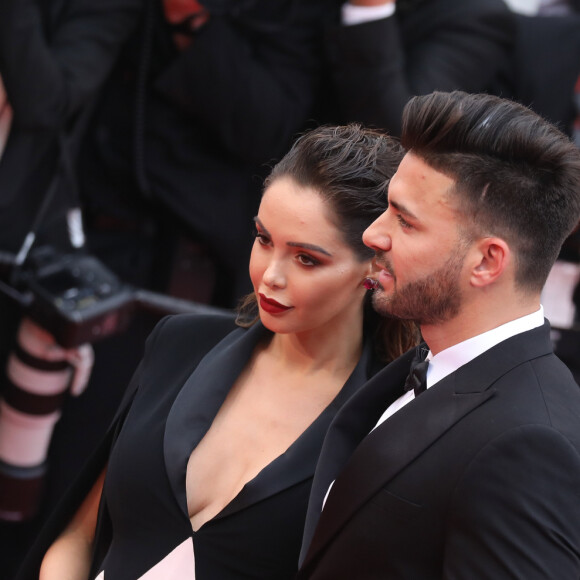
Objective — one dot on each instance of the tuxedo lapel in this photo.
(387, 450)
(351, 424)
(405, 435)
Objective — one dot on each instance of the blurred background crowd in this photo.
(153, 123)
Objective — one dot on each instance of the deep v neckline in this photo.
(201, 397)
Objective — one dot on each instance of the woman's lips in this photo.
(271, 306)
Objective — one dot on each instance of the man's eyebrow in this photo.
(306, 246)
(403, 209)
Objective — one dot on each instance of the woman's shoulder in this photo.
(206, 327)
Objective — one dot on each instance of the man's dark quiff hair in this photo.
(517, 176)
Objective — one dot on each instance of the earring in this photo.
(370, 283)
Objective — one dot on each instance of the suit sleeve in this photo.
(49, 75)
(516, 511)
(377, 66)
(73, 498)
(253, 85)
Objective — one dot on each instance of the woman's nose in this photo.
(274, 276)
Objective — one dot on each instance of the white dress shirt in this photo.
(450, 359)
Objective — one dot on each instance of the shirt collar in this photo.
(450, 359)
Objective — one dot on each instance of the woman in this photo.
(210, 473)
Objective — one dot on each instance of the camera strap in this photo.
(64, 169)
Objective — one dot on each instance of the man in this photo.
(479, 475)
(385, 51)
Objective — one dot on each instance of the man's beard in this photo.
(433, 299)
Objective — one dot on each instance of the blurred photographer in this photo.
(54, 56)
(382, 52)
(204, 96)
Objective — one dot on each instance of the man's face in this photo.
(419, 252)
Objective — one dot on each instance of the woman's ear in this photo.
(492, 258)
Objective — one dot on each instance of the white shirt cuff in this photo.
(352, 15)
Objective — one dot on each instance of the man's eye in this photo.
(403, 223)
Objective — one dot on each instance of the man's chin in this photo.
(383, 303)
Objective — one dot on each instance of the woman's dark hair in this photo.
(350, 167)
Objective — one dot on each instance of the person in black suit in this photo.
(54, 57)
(210, 473)
(475, 472)
(204, 96)
(385, 51)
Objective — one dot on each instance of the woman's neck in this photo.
(309, 352)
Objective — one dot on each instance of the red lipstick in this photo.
(271, 306)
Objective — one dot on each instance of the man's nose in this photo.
(377, 236)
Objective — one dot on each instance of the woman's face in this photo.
(306, 278)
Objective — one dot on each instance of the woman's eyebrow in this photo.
(312, 247)
(262, 227)
(305, 245)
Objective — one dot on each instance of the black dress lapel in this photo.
(199, 400)
(298, 463)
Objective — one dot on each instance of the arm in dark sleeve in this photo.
(81, 486)
(516, 512)
(49, 76)
(253, 88)
(377, 66)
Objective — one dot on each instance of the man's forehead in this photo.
(416, 181)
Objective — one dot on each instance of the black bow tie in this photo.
(417, 378)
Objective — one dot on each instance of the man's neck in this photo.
(473, 321)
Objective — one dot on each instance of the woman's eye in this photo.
(307, 260)
(262, 239)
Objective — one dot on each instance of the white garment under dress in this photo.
(177, 565)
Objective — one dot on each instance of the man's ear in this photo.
(493, 257)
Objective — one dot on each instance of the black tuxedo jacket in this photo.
(479, 477)
(215, 116)
(190, 364)
(54, 56)
(427, 45)
(546, 65)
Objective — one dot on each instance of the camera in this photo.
(69, 302)
(78, 299)
(74, 296)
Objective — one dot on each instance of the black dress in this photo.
(144, 520)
